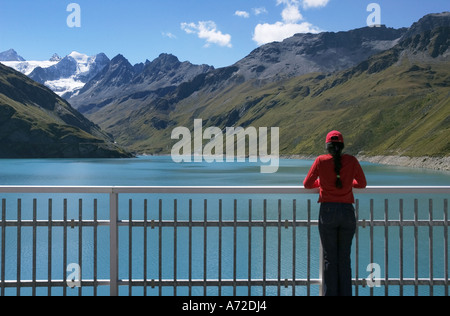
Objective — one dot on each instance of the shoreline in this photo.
(433, 163)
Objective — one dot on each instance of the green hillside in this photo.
(36, 123)
(404, 110)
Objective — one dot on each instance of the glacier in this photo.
(64, 76)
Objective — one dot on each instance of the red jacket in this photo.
(323, 176)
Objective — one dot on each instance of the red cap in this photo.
(335, 137)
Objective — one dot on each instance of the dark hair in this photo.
(335, 149)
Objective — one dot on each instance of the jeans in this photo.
(337, 227)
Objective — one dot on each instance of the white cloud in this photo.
(291, 14)
(242, 14)
(315, 3)
(208, 31)
(169, 35)
(259, 11)
(268, 33)
(289, 26)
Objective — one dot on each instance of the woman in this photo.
(336, 175)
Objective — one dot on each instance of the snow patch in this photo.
(65, 85)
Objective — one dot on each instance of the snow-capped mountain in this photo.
(10, 55)
(71, 73)
(27, 67)
(65, 76)
(11, 58)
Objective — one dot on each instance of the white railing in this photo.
(234, 238)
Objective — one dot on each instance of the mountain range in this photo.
(122, 83)
(305, 85)
(64, 76)
(301, 54)
(387, 89)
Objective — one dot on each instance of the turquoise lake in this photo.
(161, 171)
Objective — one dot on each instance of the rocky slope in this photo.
(325, 52)
(119, 82)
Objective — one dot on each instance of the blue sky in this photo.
(215, 32)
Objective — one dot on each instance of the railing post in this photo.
(321, 270)
(114, 243)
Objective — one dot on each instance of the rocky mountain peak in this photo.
(10, 55)
(116, 73)
(168, 59)
(71, 73)
(324, 52)
(428, 23)
(119, 59)
(55, 58)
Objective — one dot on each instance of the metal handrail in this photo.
(215, 189)
(114, 222)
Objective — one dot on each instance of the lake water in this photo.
(161, 171)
